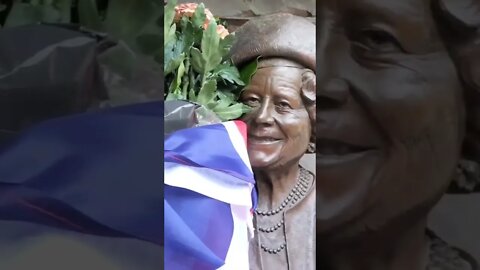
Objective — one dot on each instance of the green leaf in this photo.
(199, 17)
(169, 12)
(207, 92)
(126, 19)
(180, 73)
(169, 27)
(173, 64)
(225, 99)
(197, 36)
(187, 31)
(197, 21)
(226, 95)
(229, 73)
(173, 56)
(88, 15)
(226, 44)
(193, 81)
(169, 34)
(173, 87)
(191, 95)
(168, 55)
(221, 105)
(232, 112)
(198, 63)
(173, 96)
(248, 71)
(211, 52)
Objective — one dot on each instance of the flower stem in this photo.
(192, 95)
(204, 76)
(185, 81)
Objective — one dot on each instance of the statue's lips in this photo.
(330, 152)
(344, 137)
(262, 139)
(332, 147)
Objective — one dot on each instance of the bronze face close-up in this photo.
(390, 114)
(392, 123)
(279, 124)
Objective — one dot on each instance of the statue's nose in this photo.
(264, 114)
(333, 93)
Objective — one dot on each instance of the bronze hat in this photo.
(278, 35)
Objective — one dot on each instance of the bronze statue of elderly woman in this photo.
(281, 130)
(397, 127)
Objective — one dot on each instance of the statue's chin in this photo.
(343, 185)
(264, 154)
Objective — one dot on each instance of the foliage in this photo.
(196, 64)
(134, 24)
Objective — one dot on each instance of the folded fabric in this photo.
(96, 173)
(209, 197)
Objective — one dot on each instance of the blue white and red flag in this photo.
(209, 197)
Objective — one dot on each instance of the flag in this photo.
(209, 197)
(97, 173)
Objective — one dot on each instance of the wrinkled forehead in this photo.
(278, 76)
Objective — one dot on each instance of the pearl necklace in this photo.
(298, 192)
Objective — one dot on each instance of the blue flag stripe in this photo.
(103, 170)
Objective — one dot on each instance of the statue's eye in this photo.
(284, 105)
(378, 41)
(251, 101)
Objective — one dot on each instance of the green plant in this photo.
(196, 63)
(135, 24)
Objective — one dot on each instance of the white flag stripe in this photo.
(210, 183)
(238, 142)
(237, 254)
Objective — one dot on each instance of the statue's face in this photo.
(389, 114)
(278, 125)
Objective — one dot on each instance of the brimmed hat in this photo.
(278, 35)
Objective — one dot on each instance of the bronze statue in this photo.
(280, 131)
(397, 115)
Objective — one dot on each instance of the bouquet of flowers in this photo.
(209, 191)
(197, 66)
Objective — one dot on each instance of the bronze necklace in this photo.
(298, 192)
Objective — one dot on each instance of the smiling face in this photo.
(389, 115)
(278, 126)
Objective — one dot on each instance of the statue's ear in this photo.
(309, 95)
(459, 24)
